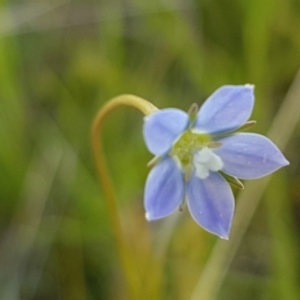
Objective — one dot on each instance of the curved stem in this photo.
(132, 280)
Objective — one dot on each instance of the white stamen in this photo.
(206, 160)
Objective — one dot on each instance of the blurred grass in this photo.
(59, 67)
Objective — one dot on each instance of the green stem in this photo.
(131, 276)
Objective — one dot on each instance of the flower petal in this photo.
(164, 189)
(226, 109)
(249, 155)
(162, 128)
(211, 203)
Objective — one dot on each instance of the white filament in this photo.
(206, 160)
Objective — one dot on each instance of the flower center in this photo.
(187, 144)
(193, 151)
(206, 160)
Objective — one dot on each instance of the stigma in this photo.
(206, 160)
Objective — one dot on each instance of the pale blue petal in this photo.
(164, 189)
(249, 155)
(211, 203)
(226, 109)
(161, 129)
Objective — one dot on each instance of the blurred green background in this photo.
(60, 61)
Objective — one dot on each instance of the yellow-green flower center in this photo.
(187, 144)
(193, 150)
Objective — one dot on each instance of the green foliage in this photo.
(60, 62)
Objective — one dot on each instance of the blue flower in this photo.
(194, 156)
